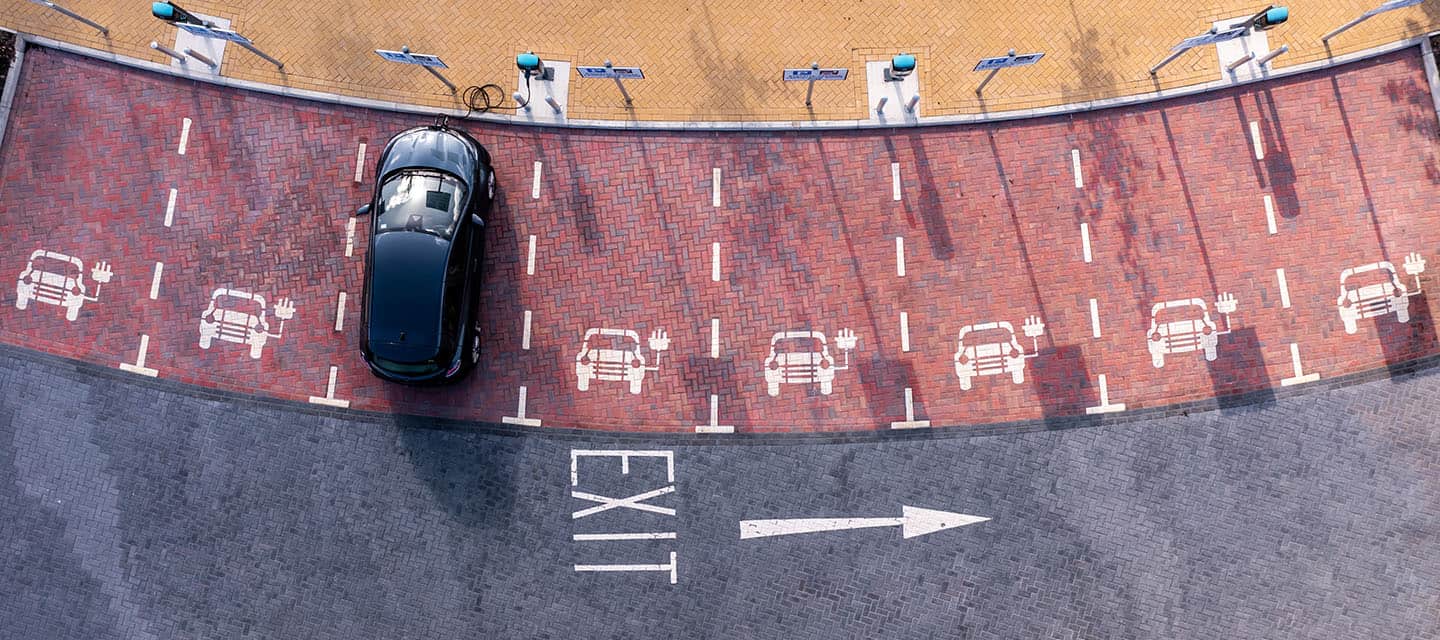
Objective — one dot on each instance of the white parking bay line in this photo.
(519, 417)
(594, 537)
(1105, 406)
(170, 208)
(184, 135)
(535, 181)
(1300, 377)
(1284, 288)
(1255, 140)
(1075, 167)
(139, 366)
(895, 180)
(530, 257)
(155, 281)
(1094, 318)
(714, 337)
(360, 163)
(1085, 240)
(910, 422)
(715, 262)
(525, 337)
(1270, 214)
(900, 256)
(329, 399)
(350, 238)
(904, 332)
(340, 312)
(715, 426)
(715, 187)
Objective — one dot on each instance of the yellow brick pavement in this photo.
(721, 60)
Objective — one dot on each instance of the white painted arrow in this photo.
(913, 522)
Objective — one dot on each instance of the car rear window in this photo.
(616, 343)
(799, 345)
(406, 367)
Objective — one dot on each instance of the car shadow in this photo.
(1062, 382)
(1239, 376)
(884, 381)
(703, 376)
(1279, 170)
(1405, 342)
(471, 475)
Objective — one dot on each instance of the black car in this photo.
(422, 275)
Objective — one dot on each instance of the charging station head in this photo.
(528, 62)
(903, 63)
(1272, 17)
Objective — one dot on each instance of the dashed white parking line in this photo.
(155, 281)
(895, 180)
(715, 426)
(1300, 377)
(360, 163)
(340, 312)
(900, 256)
(1094, 318)
(1105, 406)
(904, 332)
(1270, 214)
(535, 182)
(525, 337)
(139, 366)
(1284, 289)
(1075, 167)
(714, 337)
(1256, 141)
(184, 135)
(519, 417)
(350, 238)
(170, 208)
(1085, 240)
(715, 187)
(329, 398)
(910, 422)
(715, 262)
(530, 257)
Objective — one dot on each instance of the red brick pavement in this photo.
(990, 216)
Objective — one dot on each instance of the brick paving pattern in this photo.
(722, 60)
(1173, 197)
(135, 509)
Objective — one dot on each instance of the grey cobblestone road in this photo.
(134, 509)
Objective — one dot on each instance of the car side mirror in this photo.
(476, 219)
(364, 210)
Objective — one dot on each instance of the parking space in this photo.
(1182, 250)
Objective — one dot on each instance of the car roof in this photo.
(1174, 304)
(790, 335)
(612, 332)
(406, 295)
(236, 293)
(1345, 275)
(440, 148)
(985, 326)
(39, 253)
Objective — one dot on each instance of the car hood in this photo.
(434, 149)
(407, 289)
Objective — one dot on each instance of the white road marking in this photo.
(715, 262)
(1284, 289)
(634, 567)
(170, 208)
(900, 256)
(715, 187)
(910, 422)
(1094, 318)
(624, 455)
(913, 522)
(139, 366)
(155, 281)
(636, 502)
(714, 337)
(340, 312)
(1105, 406)
(535, 182)
(329, 399)
(1256, 141)
(525, 338)
(904, 332)
(519, 417)
(350, 238)
(895, 180)
(1085, 240)
(1300, 377)
(592, 537)
(1075, 167)
(360, 163)
(184, 135)
(530, 257)
(714, 426)
(1270, 214)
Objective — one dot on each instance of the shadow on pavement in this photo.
(1063, 383)
(471, 477)
(1404, 342)
(1239, 375)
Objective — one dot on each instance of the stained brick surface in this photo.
(990, 217)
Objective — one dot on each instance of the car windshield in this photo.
(613, 343)
(426, 201)
(1377, 276)
(53, 265)
(989, 336)
(1180, 313)
(799, 345)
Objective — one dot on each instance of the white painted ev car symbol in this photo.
(1182, 326)
(803, 357)
(615, 355)
(990, 349)
(239, 317)
(1374, 290)
(57, 279)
